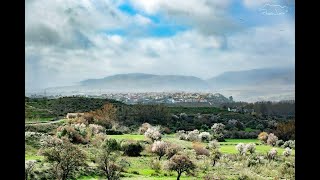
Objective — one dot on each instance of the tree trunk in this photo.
(214, 162)
(179, 174)
(160, 158)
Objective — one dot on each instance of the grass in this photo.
(139, 168)
(249, 130)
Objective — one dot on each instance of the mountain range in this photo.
(260, 82)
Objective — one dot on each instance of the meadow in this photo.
(140, 169)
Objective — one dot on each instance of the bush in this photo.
(290, 144)
(172, 149)
(279, 143)
(205, 136)
(215, 155)
(272, 139)
(263, 137)
(251, 147)
(110, 145)
(113, 132)
(193, 135)
(155, 164)
(96, 129)
(180, 164)
(214, 144)
(131, 148)
(159, 148)
(143, 128)
(75, 133)
(218, 130)
(241, 148)
(199, 149)
(33, 138)
(98, 139)
(153, 134)
(65, 159)
(287, 152)
(272, 154)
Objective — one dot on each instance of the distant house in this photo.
(74, 115)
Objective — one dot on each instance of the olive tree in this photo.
(180, 164)
(159, 148)
(65, 157)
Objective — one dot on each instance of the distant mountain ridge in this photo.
(246, 85)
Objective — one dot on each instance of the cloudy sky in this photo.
(67, 41)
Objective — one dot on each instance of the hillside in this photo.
(255, 77)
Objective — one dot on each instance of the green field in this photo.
(140, 169)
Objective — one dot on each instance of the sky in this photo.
(67, 41)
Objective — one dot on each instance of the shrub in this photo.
(131, 148)
(33, 138)
(241, 148)
(193, 135)
(215, 155)
(205, 136)
(107, 159)
(183, 136)
(28, 168)
(96, 129)
(159, 148)
(110, 145)
(272, 139)
(75, 133)
(199, 149)
(263, 137)
(113, 132)
(65, 159)
(143, 128)
(214, 144)
(153, 134)
(218, 130)
(172, 149)
(98, 139)
(290, 144)
(155, 164)
(279, 143)
(272, 154)
(287, 152)
(251, 147)
(180, 164)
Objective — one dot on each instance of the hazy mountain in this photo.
(250, 85)
(255, 77)
(148, 82)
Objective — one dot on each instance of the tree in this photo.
(65, 157)
(180, 164)
(153, 133)
(263, 136)
(108, 159)
(251, 147)
(159, 148)
(286, 131)
(272, 154)
(29, 165)
(106, 116)
(144, 127)
(272, 139)
(241, 147)
(218, 129)
(215, 155)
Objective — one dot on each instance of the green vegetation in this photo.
(135, 152)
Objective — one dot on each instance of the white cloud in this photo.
(66, 42)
